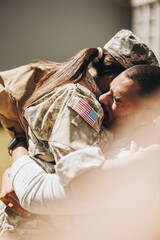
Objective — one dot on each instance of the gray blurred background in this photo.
(56, 29)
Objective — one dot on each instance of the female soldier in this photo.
(57, 109)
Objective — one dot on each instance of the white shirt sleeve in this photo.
(41, 192)
(38, 191)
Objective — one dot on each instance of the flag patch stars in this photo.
(86, 112)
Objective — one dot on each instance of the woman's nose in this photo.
(104, 98)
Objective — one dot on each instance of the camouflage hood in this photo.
(130, 50)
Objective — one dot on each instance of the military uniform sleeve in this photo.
(77, 127)
(68, 120)
(78, 123)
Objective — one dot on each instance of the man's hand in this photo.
(9, 198)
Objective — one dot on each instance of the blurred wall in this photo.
(55, 29)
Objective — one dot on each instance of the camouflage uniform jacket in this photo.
(58, 126)
(55, 130)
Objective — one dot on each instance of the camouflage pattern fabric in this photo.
(129, 50)
(43, 117)
(56, 130)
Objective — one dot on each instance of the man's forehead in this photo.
(119, 81)
(123, 85)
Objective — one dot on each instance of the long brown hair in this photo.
(72, 70)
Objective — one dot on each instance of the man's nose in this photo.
(105, 98)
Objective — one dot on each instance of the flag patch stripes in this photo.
(86, 112)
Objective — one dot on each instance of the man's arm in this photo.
(40, 192)
(116, 183)
(122, 182)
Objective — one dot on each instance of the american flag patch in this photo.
(86, 112)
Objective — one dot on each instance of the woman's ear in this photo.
(146, 116)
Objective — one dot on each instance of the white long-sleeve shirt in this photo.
(46, 193)
(41, 192)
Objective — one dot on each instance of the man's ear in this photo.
(146, 116)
